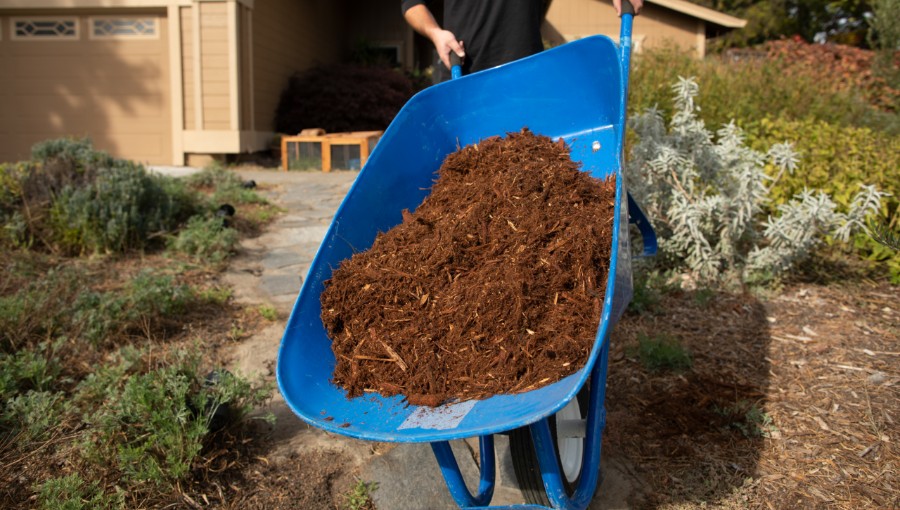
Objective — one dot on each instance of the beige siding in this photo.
(660, 27)
(245, 57)
(655, 27)
(187, 67)
(214, 62)
(114, 91)
(289, 36)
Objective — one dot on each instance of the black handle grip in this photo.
(627, 8)
(454, 59)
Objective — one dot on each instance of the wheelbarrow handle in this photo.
(455, 65)
(627, 8)
(637, 217)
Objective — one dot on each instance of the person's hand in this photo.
(445, 42)
(637, 4)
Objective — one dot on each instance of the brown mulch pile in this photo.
(493, 285)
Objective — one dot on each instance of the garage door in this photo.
(101, 74)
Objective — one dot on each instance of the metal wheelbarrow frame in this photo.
(575, 92)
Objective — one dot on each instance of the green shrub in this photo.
(58, 303)
(119, 211)
(206, 240)
(707, 195)
(836, 159)
(225, 186)
(31, 404)
(359, 497)
(40, 309)
(72, 493)
(151, 426)
(73, 198)
(661, 353)
(31, 415)
(833, 158)
(748, 418)
(749, 91)
(59, 164)
(268, 312)
(211, 177)
(649, 286)
(147, 299)
(106, 381)
(27, 369)
(10, 186)
(215, 295)
(236, 195)
(78, 154)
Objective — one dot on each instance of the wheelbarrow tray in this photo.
(573, 92)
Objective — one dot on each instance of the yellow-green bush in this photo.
(748, 90)
(837, 160)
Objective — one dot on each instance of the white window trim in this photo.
(123, 37)
(61, 38)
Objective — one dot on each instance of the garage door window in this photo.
(45, 28)
(124, 28)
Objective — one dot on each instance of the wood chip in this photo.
(396, 357)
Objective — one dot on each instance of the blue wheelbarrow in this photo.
(575, 92)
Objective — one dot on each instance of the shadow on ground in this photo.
(693, 435)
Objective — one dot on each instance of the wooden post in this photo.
(326, 155)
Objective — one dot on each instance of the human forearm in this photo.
(423, 22)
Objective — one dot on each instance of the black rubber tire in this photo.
(525, 461)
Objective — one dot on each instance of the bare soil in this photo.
(493, 285)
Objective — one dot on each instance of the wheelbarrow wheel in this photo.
(568, 431)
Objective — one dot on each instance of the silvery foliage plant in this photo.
(706, 195)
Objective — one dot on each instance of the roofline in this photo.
(701, 12)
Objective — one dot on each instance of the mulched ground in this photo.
(819, 360)
(791, 402)
(493, 285)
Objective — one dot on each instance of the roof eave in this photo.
(704, 13)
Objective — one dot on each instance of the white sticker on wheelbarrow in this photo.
(438, 418)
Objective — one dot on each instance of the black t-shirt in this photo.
(493, 32)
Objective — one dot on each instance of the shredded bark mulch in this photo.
(493, 285)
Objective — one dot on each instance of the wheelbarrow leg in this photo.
(454, 479)
(590, 470)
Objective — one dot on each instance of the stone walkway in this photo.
(269, 270)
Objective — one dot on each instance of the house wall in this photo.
(205, 61)
(290, 36)
(188, 78)
(245, 27)
(655, 27)
(115, 91)
(217, 103)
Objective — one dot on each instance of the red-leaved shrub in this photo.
(342, 97)
(846, 67)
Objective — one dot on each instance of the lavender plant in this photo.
(707, 195)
